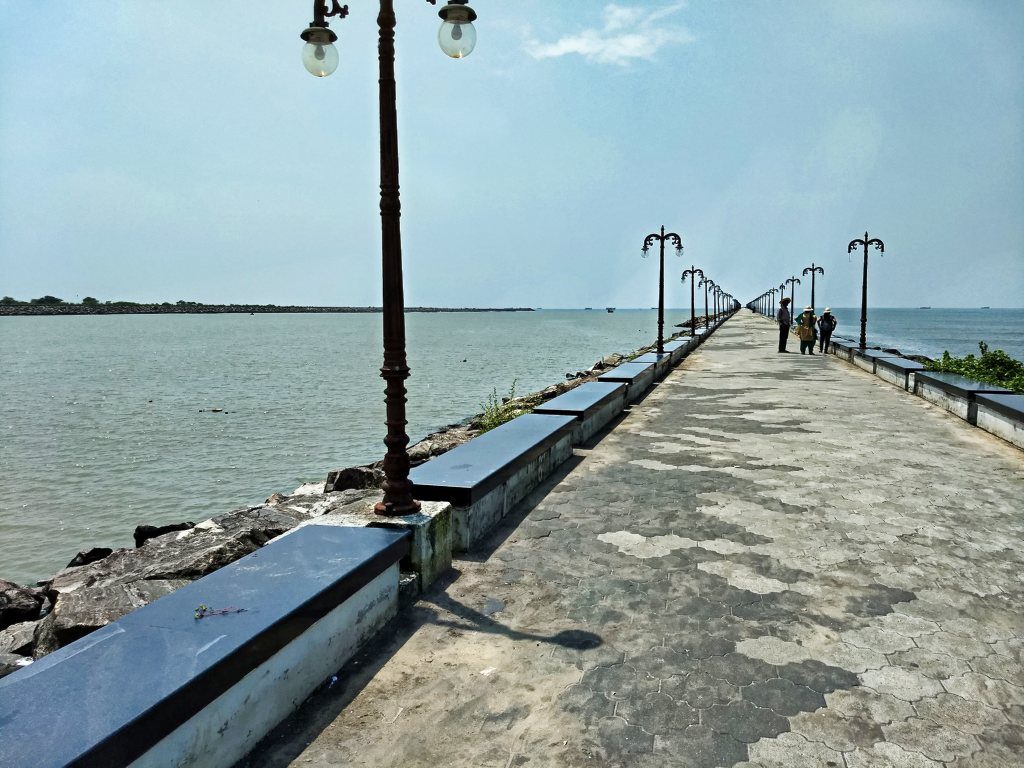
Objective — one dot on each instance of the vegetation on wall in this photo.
(993, 367)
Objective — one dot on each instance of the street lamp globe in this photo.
(319, 56)
(457, 35)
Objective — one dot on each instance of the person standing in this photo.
(785, 320)
(826, 324)
(805, 330)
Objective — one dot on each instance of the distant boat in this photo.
(986, 307)
(924, 307)
(588, 308)
(610, 309)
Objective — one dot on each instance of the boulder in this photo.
(84, 558)
(76, 614)
(144, 533)
(18, 638)
(188, 554)
(18, 603)
(354, 478)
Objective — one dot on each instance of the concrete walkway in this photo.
(773, 560)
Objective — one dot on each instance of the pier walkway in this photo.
(772, 561)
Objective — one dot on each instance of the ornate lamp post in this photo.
(648, 242)
(812, 270)
(880, 247)
(692, 272)
(793, 282)
(456, 38)
(771, 293)
(706, 282)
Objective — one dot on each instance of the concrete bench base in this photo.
(662, 363)
(484, 478)
(954, 393)
(161, 687)
(593, 405)
(637, 376)
(1002, 416)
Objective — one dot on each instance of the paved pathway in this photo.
(773, 560)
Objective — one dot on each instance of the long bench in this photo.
(843, 349)
(1002, 415)
(662, 363)
(638, 377)
(161, 687)
(487, 476)
(679, 348)
(593, 405)
(953, 392)
(898, 370)
(866, 359)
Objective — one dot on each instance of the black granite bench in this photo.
(953, 392)
(1002, 415)
(679, 348)
(867, 359)
(161, 685)
(897, 370)
(843, 348)
(662, 363)
(637, 376)
(593, 405)
(487, 476)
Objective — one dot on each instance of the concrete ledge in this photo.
(953, 392)
(637, 376)
(593, 405)
(160, 687)
(662, 363)
(898, 371)
(843, 349)
(1002, 415)
(679, 348)
(484, 478)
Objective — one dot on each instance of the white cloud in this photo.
(627, 33)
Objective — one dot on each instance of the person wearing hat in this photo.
(806, 330)
(826, 324)
(785, 320)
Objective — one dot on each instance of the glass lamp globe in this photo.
(457, 38)
(320, 59)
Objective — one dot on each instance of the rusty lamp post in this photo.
(457, 38)
(648, 242)
(880, 247)
(812, 271)
(692, 272)
(793, 282)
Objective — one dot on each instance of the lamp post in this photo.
(456, 38)
(706, 282)
(648, 242)
(793, 282)
(772, 292)
(880, 247)
(812, 271)
(692, 272)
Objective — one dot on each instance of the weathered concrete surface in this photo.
(775, 561)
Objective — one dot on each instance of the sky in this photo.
(155, 151)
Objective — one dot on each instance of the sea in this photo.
(108, 422)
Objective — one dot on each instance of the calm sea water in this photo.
(932, 331)
(105, 422)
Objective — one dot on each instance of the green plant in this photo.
(498, 410)
(995, 367)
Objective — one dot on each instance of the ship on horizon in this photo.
(610, 309)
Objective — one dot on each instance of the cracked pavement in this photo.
(772, 561)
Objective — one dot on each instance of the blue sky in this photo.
(163, 151)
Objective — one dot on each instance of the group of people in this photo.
(807, 328)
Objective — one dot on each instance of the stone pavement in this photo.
(773, 561)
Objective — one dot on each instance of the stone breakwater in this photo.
(214, 309)
(101, 585)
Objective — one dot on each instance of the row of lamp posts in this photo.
(693, 272)
(765, 303)
(457, 38)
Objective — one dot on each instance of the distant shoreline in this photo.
(214, 309)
